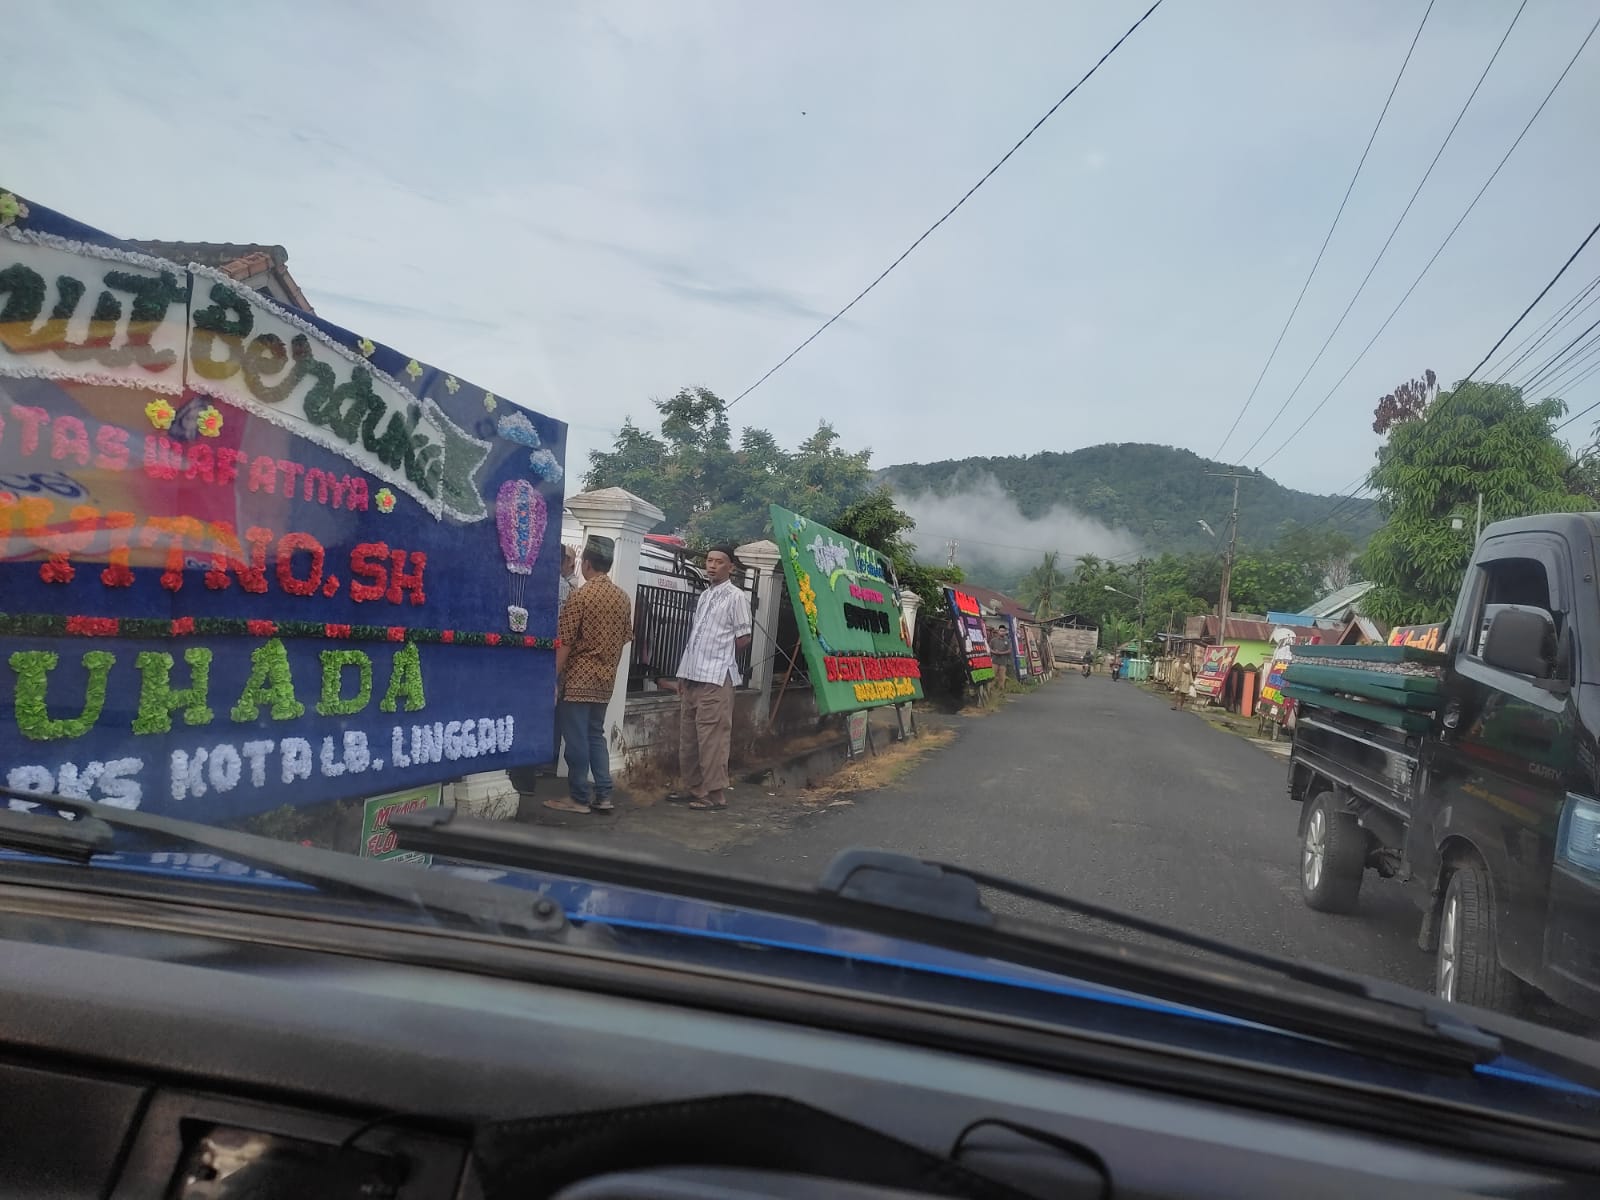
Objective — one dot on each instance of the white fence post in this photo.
(767, 596)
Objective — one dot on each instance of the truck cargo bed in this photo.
(1372, 711)
(1376, 762)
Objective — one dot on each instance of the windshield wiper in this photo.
(76, 841)
(941, 905)
(98, 830)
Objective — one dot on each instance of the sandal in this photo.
(706, 804)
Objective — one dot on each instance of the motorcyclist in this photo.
(1088, 662)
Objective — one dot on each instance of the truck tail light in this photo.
(1578, 839)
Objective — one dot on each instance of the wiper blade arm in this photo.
(94, 833)
(904, 882)
(1346, 1017)
(76, 841)
(940, 905)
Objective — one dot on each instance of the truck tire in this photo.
(1467, 963)
(1333, 857)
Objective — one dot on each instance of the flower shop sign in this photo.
(848, 613)
(86, 314)
(968, 614)
(248, 558)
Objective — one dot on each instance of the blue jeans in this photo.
(584, 728)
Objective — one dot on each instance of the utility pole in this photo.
(950, 552)
(1227, 561)
(1477, 527)
(1141, 607)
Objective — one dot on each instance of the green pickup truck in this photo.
(1470, 772)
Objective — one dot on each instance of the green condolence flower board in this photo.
(849, 617)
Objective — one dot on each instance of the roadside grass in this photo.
(883, 768)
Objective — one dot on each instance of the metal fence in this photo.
(663, 613)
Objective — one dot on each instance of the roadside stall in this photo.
(253, 561)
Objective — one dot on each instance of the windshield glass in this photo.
(1023, 451)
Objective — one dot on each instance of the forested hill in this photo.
(1158, 493)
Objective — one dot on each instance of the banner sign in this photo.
(1214, 669)
(378, 840)
(1419, 637)
(848, 612)
(1035, 638)
(248, 558)
(1019, 646)
(974, 638)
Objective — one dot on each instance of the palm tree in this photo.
(1041, 588)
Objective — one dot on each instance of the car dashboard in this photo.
(145, 1055)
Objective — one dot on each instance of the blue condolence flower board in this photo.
(248, 558)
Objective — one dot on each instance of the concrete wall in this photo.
(645, 750)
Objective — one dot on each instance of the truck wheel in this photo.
(1467, 964)
(1333, 857)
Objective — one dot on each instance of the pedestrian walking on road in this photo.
(595, 626)
(706, 678)
(1183, 683)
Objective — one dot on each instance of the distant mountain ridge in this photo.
(1157, 493)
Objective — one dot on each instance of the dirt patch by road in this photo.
(885, 767)
(753, 811)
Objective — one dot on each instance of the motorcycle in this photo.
(1086, 669)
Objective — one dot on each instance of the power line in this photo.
(1324, 247)
(1566, 313)
(1427, 266)
(1115, 46)
(1384, 249)
(1565, 379)
(1581, 245)
(1367, 484)
(1563, 374)
(1541, 377)
(1582, 411)
(1583, 378)
(1347, 500)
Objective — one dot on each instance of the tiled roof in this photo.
(238, 260)
(213, 254)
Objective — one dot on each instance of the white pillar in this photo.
(488, 794)
(765, 600)
(571, 529)
(624, 518)
(910, 602)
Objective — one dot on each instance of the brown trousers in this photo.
(705, 733)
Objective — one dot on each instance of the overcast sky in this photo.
(584, 206)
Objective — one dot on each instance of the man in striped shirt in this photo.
(706, 678)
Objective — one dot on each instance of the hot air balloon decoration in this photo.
(521, 516)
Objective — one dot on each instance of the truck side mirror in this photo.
(1522, 640)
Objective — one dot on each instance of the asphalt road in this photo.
(1099, 790)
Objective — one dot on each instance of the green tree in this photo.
(1042, 588)
(1479, 438)
(710, 490)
